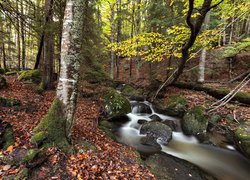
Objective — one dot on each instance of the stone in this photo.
(155, 118)
(195, 121)
(141, 108)
(242, 139)
(167, 167)
(115, 104)
(176, 106)
(155, 130)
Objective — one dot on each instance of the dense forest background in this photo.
(145, 33)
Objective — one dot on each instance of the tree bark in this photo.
(70, 57)
(23, 38)
(47, 68)
(202, 63)
(216, 93)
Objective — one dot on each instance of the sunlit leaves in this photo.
(156, 47)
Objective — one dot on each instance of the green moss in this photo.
(242, 137)
(176, 106)
(40, 89)
(8, 137)
(53, 125)
(115, 104)
(38, 138)
(129, 90)
(30, 75)
(30, 155)
(195, 121)
(94, 76)
(9, 102)
(11, 73)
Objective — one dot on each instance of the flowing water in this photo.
(224, 164)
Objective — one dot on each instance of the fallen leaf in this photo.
(6, 167)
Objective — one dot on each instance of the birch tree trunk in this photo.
(58, 122)
(70, 57)
(112, 20)
(201, 75)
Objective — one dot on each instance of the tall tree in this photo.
(47, 69)
(59, 120)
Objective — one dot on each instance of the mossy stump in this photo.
(51, 130)
(242, 139)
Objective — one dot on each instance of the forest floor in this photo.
(96, 156)
(101, 159)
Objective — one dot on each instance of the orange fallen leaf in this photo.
(10, 149)
(6, 167)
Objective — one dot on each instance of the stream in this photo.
(222, 163)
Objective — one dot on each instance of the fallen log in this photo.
(241, 97)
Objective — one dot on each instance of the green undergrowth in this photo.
(52, 129)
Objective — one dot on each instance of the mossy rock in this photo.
(41, 88)
(195, 121)
(3, 82)
(116, 104)
(53, 126)
(242, 139)
(167, 167)
(9, 102)
(174, 106)
(30, 75)
(132, 93)
(155, 130)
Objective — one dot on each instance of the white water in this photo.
(224, 164)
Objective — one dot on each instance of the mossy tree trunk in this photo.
(58, 122)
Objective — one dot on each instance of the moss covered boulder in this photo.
(242, 139)
(30, 75)
(195, 121)
(115, 104)
(155, 130)
(174, 106)
(3, 82)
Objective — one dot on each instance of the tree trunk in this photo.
(47, 68)
(119, 32)
(23, 38)
(112, 19)
(4, 57)
(201, 76)
(216, 93)
(58, 122)
(18, 39)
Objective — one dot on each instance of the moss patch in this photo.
(242, 138)
(53, 125)
(115, 104)
(130, 91)
(195, 121)
(30, 155)
(11, 73)
(8, 137)
(174, 106)
(30, 75)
